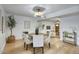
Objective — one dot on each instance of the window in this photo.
(26, 24)
(48, 27)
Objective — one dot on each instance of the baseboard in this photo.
(2, 48)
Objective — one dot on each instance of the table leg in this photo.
(42, 49)
(27, 47)
(33, 50)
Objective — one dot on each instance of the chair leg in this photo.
(27, 47)
(24, 44)
(42, 49)
(33, 50)
(49, 45)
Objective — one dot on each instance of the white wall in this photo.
(46, 23)
(19, 29)
(70, 23)
(2, 35)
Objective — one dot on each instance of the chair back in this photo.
(38, 40)
(48, 38)
(26, 39)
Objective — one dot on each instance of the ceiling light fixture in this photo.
(38, 11)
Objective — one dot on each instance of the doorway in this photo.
(57, 28)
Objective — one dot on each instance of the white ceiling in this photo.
(27, 9)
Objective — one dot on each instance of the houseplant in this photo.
(11, 24)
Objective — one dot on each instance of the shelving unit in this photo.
(70, 38)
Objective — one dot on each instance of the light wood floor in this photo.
(57, 47)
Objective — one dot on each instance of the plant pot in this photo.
(11, 39)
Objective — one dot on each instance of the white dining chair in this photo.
(38, 42)
(48, 39)
(27, 41)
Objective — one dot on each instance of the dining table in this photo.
(31, 35)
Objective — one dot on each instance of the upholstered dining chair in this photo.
(48, 39)
(27, 41)
(38, 42)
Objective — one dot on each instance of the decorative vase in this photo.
(37, 31)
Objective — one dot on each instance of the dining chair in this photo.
(48, 39)
(27, 41)
(38, 42)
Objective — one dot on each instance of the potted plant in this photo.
(11, 24)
